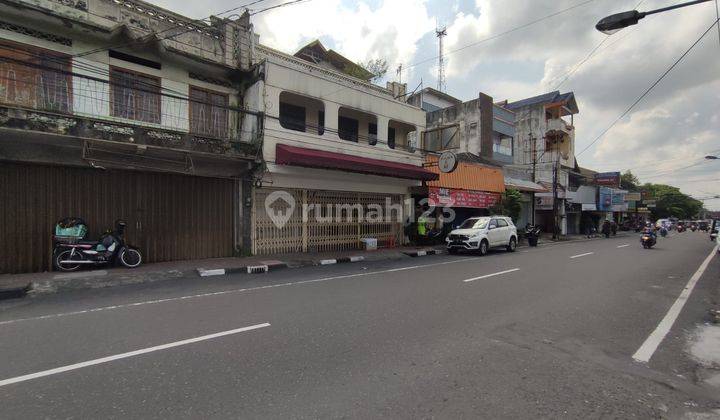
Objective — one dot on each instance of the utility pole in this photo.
(534, 166)
(555, 199)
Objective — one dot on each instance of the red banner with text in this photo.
(448, 197)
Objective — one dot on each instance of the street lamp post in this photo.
(613, 23)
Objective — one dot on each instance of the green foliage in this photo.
(629, 182)
(509, 204)
(378, 67)
(672, 203)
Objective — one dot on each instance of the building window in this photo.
(208, 113)
(502, 144)
(391, 137)
(372, 134)
(301, 113)
(443, 138)
(135, 96)
(400, 134)
(35, 78)
(348, 129)
(292, 117)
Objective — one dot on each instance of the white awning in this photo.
(523, 185)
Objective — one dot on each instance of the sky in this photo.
(663, 139)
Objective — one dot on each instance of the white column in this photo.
(382, 127)
(331, 115)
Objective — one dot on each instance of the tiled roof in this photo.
(546, 98)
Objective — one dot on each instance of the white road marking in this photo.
(623, 246)
(107, 359)
(225, 292)
(581, 255)
(328, 262)
(646, 351)
(491, 275)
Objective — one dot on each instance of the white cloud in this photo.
(391, 31)
(676, 122)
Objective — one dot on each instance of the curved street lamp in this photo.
(613, 23)
(711, 157)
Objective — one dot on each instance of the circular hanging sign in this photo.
(447, 162)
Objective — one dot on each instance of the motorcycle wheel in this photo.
(65, 256)
(130, 257)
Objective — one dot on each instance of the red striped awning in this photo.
(313, 158)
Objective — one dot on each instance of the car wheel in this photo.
(483, 249)
(452, 251)
(512, 246)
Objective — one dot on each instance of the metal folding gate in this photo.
(170, 216)
(335, 220)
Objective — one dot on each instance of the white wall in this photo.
(92, 97)
(334, 95)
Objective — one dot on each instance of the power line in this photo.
(190, 28)
(289, 3)
(501, 34)
(649, 89)
(122, 85)
(590, 55)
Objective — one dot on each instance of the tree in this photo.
(378, 67)
(628, 181)
(670, 202)
(509, 204)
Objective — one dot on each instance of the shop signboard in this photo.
(633, 196)
(589, 207)
(618, 198)
(605, 199)
(608, 179)
(461, 198)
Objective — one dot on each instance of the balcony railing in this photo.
(53, 89)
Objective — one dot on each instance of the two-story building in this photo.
(482, 133)
(545, 148)
(118, 109)
(336, 148)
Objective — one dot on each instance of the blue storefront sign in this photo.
(605, 199)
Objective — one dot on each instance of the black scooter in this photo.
(71, 254)
(532, 233)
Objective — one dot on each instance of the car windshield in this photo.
(479, 223)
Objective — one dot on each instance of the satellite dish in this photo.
(448, 162)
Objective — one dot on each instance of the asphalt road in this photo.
(548, 332)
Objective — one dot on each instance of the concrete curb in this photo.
(108, 278)
(266, 267)
(100, 279)
(342, 260)
(15, 292)
(424, 252)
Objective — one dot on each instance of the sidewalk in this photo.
(17, 285)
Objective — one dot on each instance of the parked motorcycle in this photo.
(532, 233)
(647, 240)
(681, 228)
(71, 251)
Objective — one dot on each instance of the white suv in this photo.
(482, 233)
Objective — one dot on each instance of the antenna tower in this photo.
(441, 33)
